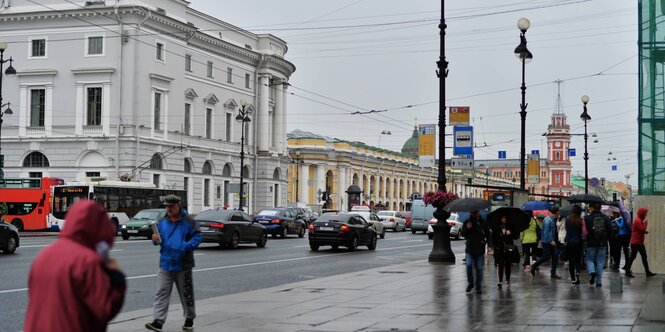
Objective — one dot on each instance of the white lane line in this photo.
(305, 246)
(116, 250)
(199, 254)
(412, 241)
(226, 267)
(35, 246)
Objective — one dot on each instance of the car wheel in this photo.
(314, 247)
(18, 223)
(274, 235)
(413, 231)
(335, 247)
(285, 232)
(383, 233)
(125, 236)
(11, 245)
(235, 239)
(354, 244)
(301, 234)
(430, 236)
(404, 228)
(457, 235)
(372, 244)
(263, 240)
(424, 232)
(117, 224)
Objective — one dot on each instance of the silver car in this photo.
(455, 226)
(373, 221)
(392, 220)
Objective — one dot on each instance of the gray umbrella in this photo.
(585, 198)
(467, 205)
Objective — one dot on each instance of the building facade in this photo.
(145, 91)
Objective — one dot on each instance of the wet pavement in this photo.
(422, 296)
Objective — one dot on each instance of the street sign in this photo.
(461, 163)
(571, 152)
(502, 154)
(463, 140)
(614, 167)
(533, 168)
(235, 187)
(458, 115)
(535, 152)
(426, 145)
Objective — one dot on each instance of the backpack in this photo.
(599, 229)
(615, 228)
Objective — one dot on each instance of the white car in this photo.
(392, 220)
(373, 221)
(455, 227)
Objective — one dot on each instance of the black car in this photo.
(230, 228)
(341, 229)
(281, 221)
(9, 239)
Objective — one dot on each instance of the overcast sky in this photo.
(361, 55)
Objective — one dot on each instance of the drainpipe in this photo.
(120, 122)
(255, 136)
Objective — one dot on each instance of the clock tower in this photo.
(558, 143)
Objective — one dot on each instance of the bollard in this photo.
(616, 284)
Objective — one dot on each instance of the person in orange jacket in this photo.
(637, 243)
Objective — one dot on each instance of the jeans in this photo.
(595, 256)
(478, 262)
(549, 251)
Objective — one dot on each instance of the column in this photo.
(48, 111)
(399, 192)
(303, 183)
(362, 187)
(285, 94)
(341, 188)
(320, 181)
(263, 116)
(279, 135)
(78, 122)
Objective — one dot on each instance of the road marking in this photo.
(116, 250)
(412, 241)
(305, 246)
(35, 246)
(13, 290)
(199, 254)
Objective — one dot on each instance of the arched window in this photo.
(35, 159)
(156, 161)
(207, 168)
(188, 165)
(246, 173)
(226, 172)
(275, 174)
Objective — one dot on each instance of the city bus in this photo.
(26, 202)
(122, 200)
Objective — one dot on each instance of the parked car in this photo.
(392, 220)
(141, 224)
(302, 214)
(281, 221)
(455, 226)
(230, 228)
(373, 221)
(9, 238)
(421, 214)
(408, 217)
(311, 215)
(341, 229)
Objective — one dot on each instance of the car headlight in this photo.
(145, 226)
(124, 227)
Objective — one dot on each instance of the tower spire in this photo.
(558, 106)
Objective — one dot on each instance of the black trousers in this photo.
(574, 255)
(529, 250)
(642, 250)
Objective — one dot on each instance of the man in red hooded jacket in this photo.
(637, 242)
(73, 285)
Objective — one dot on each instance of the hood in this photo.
(87, 223)
(642, 213)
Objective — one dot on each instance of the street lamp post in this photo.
(523, 53)
(243, 117)
(586, 118)
(298, 162)
(385, 132)
(9, 72)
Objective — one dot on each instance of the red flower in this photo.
(439, 198)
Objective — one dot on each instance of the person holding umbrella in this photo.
(503, 235)
(573, 242)
(477, 234)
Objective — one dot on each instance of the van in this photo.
(421, 214)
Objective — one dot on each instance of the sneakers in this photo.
(630, 274)
(650, 274)
(599, 285)
(189, 325)
(499, 285)
(533, 271)
(478, 290)
(555, 276)
(469, 288)
(592, 278)
(154, 326)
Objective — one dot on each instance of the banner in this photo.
(458, 115)
(533, 168)
(426, 144)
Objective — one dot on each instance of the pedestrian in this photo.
(573, 240)
(624, 239)
(637, 243)
(73, 284)
(178, 237)
(477, 234)
(550, 243)
(529, 239)
(539, 232)
(598, 233)
(615, 243)
(503, 237)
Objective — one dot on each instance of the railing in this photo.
(92, 130)
(35, 131)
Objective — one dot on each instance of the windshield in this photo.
(65, 197)
(385, 213)
(149, 215)
(268, 213)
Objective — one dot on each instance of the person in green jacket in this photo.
(529, 240)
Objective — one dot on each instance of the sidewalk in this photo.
(421, 296)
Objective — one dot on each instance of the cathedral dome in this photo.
(410, 147)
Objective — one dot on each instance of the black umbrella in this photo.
(585, 198)
(518, 220)
(467, 205)
(565, 211)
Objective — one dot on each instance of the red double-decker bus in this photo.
(26, 203)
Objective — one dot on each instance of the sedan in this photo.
(453, 222)
(230, 228)
(141, 224)
(281, 221)
(343, 229)
(373, 221)
(392, 220)
(9, 239)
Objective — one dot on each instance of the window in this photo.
(557, 178)
(92, 174)
(226, 192)
(247, 79)
(247, 135)
(209, 69)
(206, 192)
(159, 52)
(96, 45)
(155, 180)
(229, 75)
(35, 174)
(188, 62)
(158, 110)
(37, 97)
(219, 192)
(208, 123)
(558, 156)
(38, 48)
(36, 159)
(229, 121)
(94, 107)
(188, 110)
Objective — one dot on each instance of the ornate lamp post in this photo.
(586, 118)
(524, 55)
(243, 117)
(298, 162)
(9, 72)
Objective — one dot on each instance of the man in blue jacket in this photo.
(550, 242)
(178, 236)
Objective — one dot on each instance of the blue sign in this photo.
(571, 152)
(535, 152)
(502, 154)
(614, 167)
(462, 140)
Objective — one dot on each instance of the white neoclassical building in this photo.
(144, 90)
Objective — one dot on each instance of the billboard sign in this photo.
(463, 140)
(458, 115)
(426, 144)
(533, 168)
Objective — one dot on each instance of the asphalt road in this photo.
(218, 271)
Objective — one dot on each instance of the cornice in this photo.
(37, 72)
